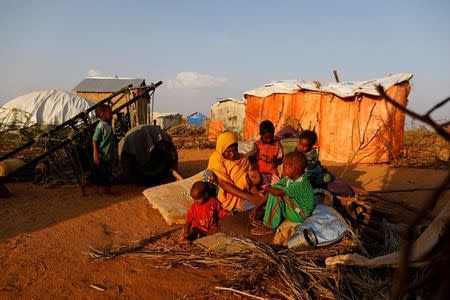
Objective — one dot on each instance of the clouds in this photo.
(196, 80)
(94, 73)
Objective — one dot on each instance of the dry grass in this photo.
(423, 149)
(265, 271)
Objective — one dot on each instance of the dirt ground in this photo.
(45, 233)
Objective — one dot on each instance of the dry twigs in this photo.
(263, 271)
(105, 254)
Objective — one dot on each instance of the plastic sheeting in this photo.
(231, 112)
(44, 107)
(366, 128)
(167, 120)
(341, 89)
(140, 141)
(325, 224)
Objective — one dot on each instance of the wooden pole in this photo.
(336, 77)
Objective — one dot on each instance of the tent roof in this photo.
(106, 84)
(165, 115)
(44, 107)
(196, 113)
(224, 100)
(340, 89)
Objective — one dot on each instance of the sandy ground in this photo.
(44, 235)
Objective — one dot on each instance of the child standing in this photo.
(317, 175)
(297, 203)
(267, 153)
(103, 149)
(203, 215)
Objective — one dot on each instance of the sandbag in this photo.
(10, 165)
(172, 200)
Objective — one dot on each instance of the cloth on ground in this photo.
(285, 231)
(172, 200)
(340, 187)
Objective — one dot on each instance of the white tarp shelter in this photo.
(231, 111)
(167, 120)
(43, 108)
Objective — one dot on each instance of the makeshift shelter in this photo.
(167, 120)
(353, 122)
(98, 88)
(226, 115)
(196, 118)
(43, 108)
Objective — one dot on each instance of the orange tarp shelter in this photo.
(353, 122)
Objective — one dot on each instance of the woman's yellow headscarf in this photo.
(230, 171)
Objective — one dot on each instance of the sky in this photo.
(205, 50)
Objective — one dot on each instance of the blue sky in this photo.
(203, 50)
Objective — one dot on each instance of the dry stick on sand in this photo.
(239, 292)
(400, 283)
(98, 254)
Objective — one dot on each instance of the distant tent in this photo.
(196, 119)
(227, 114)
(351, 119)
(167, 120)
(43, 107)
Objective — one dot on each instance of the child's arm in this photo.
(279, 159)
(186, 230)
(253, 155)
(274, 191)
(95, 138)
(96, 158)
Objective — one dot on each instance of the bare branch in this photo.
(424, 118)
(442, 103)
(445, 124)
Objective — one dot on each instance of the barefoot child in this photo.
(297, 203)
(102, 144)
(267, 153)
(204, 213)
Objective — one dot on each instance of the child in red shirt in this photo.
(204, 213)
(267, 153)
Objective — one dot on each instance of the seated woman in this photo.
(231, 168)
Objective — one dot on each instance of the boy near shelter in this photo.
(204, 214)
(103, 149)
(317, 175)
(297, 203)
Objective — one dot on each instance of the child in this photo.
(267, 153)
(297, 203)
(204, 213)
(103, 149)
(317, 175)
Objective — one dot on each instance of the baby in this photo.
(204, 213)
